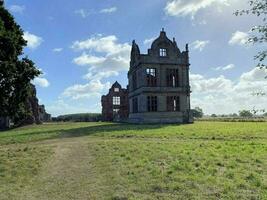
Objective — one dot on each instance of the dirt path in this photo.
(68, 175)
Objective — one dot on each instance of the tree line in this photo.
(197, 112)
(81, 117)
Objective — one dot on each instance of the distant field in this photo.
(205, 160)
(232, 119)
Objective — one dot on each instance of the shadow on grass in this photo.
(62, 132)
(108, 129)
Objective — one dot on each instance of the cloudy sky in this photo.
(83, 47)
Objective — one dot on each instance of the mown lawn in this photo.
(205, 160)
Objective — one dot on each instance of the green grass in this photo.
(205, 160)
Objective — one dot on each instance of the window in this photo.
(173, 103)
(162, 52)
(172, 77)
(116, 111)
(135, 105)
(151, 77)
(116, 101)
(152, 103)
(134, 81)
(116, 89)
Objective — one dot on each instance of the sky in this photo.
(83, 47)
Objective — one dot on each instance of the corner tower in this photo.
(159, 89)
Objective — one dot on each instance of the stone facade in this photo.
(115, 104)
(159, 90)
(43, 115)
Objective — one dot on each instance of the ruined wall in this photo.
(111, 112)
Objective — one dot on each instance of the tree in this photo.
(197, 112)
(213, 115)
(245, 114)
(265, 114)
(15, 74)
(258, 8)
(234, 115)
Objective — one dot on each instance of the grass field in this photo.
(205, 160)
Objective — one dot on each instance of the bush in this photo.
(245, 114)
(197, 112)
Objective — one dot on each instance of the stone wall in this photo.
(111, 112)
(37, 113)
(43, 115)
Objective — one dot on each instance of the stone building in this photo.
(159, 90)
(115, 104)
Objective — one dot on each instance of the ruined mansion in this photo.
(158, 88)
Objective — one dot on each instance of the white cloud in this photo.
(108, 44)
(108, 10)
(33, 41)
(100, 75)
(225, 68)
(83, 13)
(114, 56)
(61, 107)
(239, 38)
(89, 90)
(199, 45)
(201, 84)
(57, 50)
(221, 95)
(190, 7)
(254, 75)
(17, 9)
(104, 57)
(86, 59)
(149, 41)
(42, 82)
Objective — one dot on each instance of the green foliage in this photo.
(258, 8)
(15, 73)
(197, 112)
(245, 114)
(81, 117)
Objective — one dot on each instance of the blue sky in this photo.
(83, 47)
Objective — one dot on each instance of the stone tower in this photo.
(159, 89)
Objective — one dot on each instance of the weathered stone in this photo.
(115, 104)
(43, 115)
(37, 113)
(159, 90)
